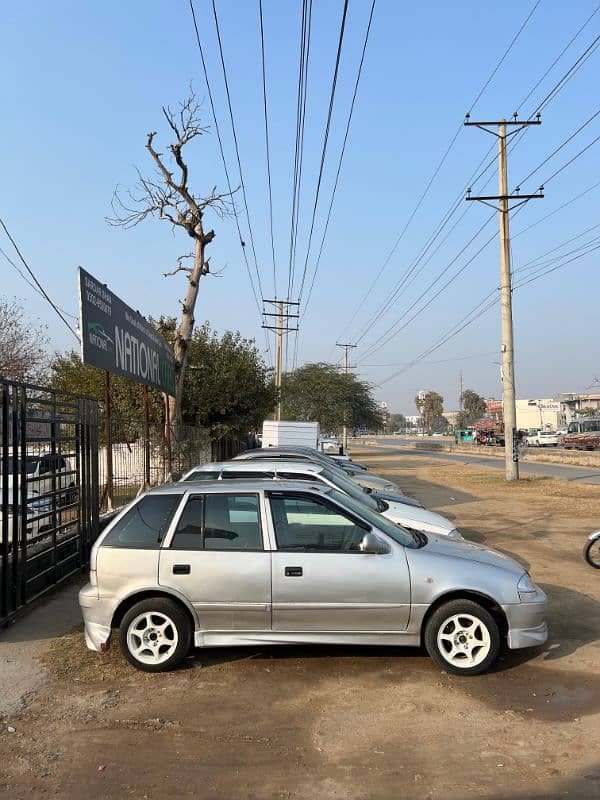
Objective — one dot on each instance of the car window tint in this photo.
(303, 523)
(188, 534)
(232, 522)
(246, 474)
(145, 523)
(211, 475)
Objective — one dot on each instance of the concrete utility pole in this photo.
(281, 328)
(460, 396)
(504, 199)
(345, 347)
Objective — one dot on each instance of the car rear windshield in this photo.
(378, 521)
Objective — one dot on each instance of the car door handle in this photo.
(293, 572)
(181, 569)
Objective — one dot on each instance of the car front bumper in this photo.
(527, 625)
(97, 616)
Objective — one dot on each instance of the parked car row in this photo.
(288, 545)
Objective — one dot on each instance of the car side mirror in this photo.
(373, 544)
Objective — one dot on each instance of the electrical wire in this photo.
(305, 32)
(436, 172)
(341, 158)
(226, 170)
(236, 145)
(267, 149)
(41, 289)
(325, 141)
(573, 69)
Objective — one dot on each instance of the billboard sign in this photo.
(116, 338)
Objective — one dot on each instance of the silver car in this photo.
(217, 564)
(364, 478)
(406, 515)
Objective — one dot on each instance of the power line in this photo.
(305, 31)
(573, 69)
(439, 167)
(343, 150)
(30, 283)
(399, 325)
(41, 289)
(266, 116)
(226, 170)
(235, 141)
(325, 140)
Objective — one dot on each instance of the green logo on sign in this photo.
(99, 337)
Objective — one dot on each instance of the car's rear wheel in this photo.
(462, 637)
(591, 553)
(155, 635)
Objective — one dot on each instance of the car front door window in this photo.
(309, 524)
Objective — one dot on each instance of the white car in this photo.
(329, 445)
(543, 439)
(408, 516)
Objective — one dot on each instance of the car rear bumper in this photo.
(97, 616)
(527, 625)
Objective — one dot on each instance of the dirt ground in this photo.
(323, 722)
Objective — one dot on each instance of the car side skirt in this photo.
(240, 638)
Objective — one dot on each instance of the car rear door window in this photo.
(306, 523)
(145, 524)
(219, 522)
(232, 522)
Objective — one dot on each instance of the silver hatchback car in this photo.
(220, 564)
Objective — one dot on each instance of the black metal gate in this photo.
(48, 489)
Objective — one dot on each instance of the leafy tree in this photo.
(430, 406)
(473, 408)
(23, 354)
(228, 390)
(397, 422)
(324, 393)
(439, 425)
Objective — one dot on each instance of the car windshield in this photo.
(350, 488)
(378, 521)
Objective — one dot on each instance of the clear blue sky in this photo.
(82, 84)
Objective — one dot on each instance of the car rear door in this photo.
(216, 556)
(322, 581)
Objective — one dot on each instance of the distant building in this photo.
(573, 403)
(494, 408)
(413, 419)
(452, 417)
(539, 413)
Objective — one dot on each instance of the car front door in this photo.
(216, 557)
(322, 581)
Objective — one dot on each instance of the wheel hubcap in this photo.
(464, 641)
(594, 551)
(152, 637)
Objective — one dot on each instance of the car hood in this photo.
(470, 551)
(419, 518)
(371, 481)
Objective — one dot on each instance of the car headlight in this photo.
(454, 534)
(526, 588)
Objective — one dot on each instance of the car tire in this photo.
(462, 638)
(155, 635)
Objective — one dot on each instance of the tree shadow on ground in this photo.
(584, 785)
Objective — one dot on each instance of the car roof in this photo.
(217, 487)
(265, 464)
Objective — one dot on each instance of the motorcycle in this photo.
(591, 551)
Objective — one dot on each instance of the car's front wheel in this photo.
(462, 637)
(155, 635)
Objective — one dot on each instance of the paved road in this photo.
(567, 473)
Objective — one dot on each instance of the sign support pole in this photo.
(108, 440)
(146, 436)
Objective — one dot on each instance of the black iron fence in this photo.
(48, 489)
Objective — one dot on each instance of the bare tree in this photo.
(23, 353)
(167, 196)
